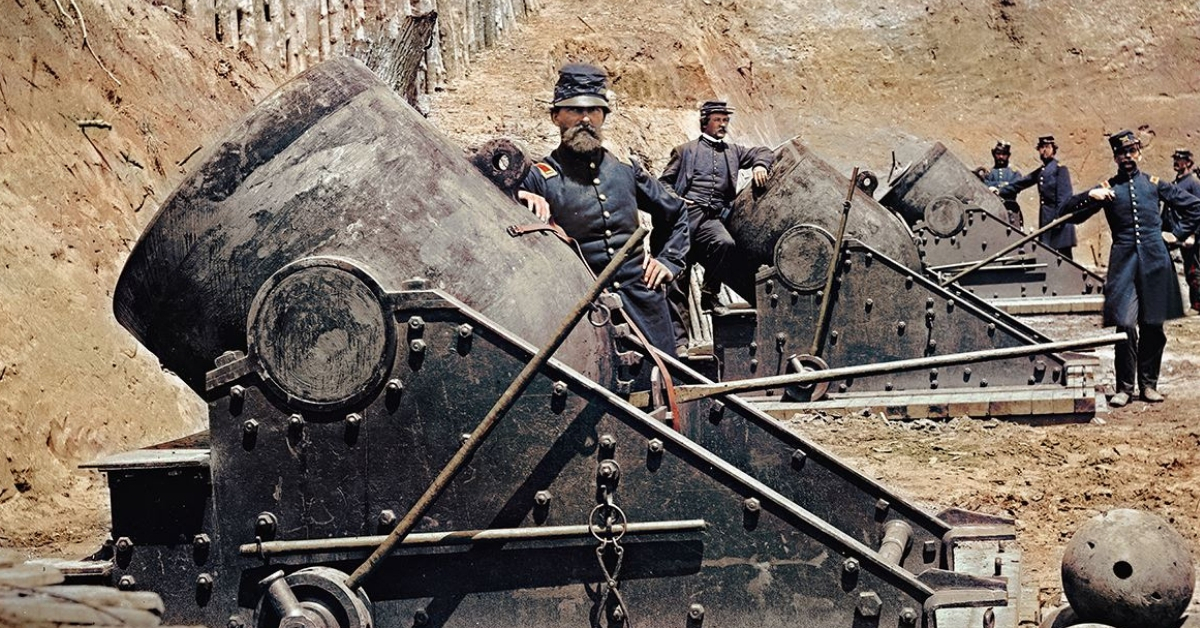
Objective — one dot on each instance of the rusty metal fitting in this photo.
(353, 419)
(416, 323)
(607, 441)
(204, 582)
(395, 386)
(559, 389)
(387, 519)
(237, 393)
(465, 331)
(751, 504)
(201, 542)
(295, 422)
(124, 545)
(908, 616)
(869, 604)
(542, 498)
(417, 346)
(127, 583)
(850, 566)
(250, 427)
(696, 612)
(655, 446)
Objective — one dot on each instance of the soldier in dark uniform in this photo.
(594, 195)
(1141, 291)
(1001, 174)
(704, 172)
(1053, 182)
(1186, 178)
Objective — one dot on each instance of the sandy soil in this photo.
(858, 81)
(1051, 478)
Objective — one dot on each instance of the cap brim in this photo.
(583, 101)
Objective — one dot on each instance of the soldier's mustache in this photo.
(583, 127)
(582, 138)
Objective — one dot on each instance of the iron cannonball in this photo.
(1130, 569)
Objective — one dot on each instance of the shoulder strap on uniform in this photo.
(546, 169)
(1153, 180)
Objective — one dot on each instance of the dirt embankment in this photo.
(89, 146)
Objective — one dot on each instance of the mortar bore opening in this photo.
(1122, 569)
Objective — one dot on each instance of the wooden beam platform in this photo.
(1054, 403)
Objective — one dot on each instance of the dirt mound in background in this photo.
(88, 148)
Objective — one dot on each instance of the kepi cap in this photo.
(715, 106)
(1002, 146)
(1122, 140)
(1046, 140)
(1182, 153)
(581, 85)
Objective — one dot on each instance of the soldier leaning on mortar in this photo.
(1141, 291)
(1001, 174)
(704, 172)
(595, 196)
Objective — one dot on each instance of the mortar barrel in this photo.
(804, 189)
(936, 175)
(336, 164)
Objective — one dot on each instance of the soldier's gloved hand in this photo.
(1170, 238)
(1100, 194)
(760, 176)
(654, 273)
(994, 190)
(536, 204)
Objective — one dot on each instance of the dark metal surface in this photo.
(335, 163)
(957, 222)
(1128, 568)
(498, 410)
(883, 311)
(806, 190)
(330, 480)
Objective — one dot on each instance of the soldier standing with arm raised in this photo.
(594, 195)
(1053, 182)
(1141, 291)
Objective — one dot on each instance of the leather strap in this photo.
(550, 227)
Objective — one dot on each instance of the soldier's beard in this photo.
(582, 139)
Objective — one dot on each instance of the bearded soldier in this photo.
(594, 195)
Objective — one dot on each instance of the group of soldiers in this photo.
(594, 195)
(1145, 214)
